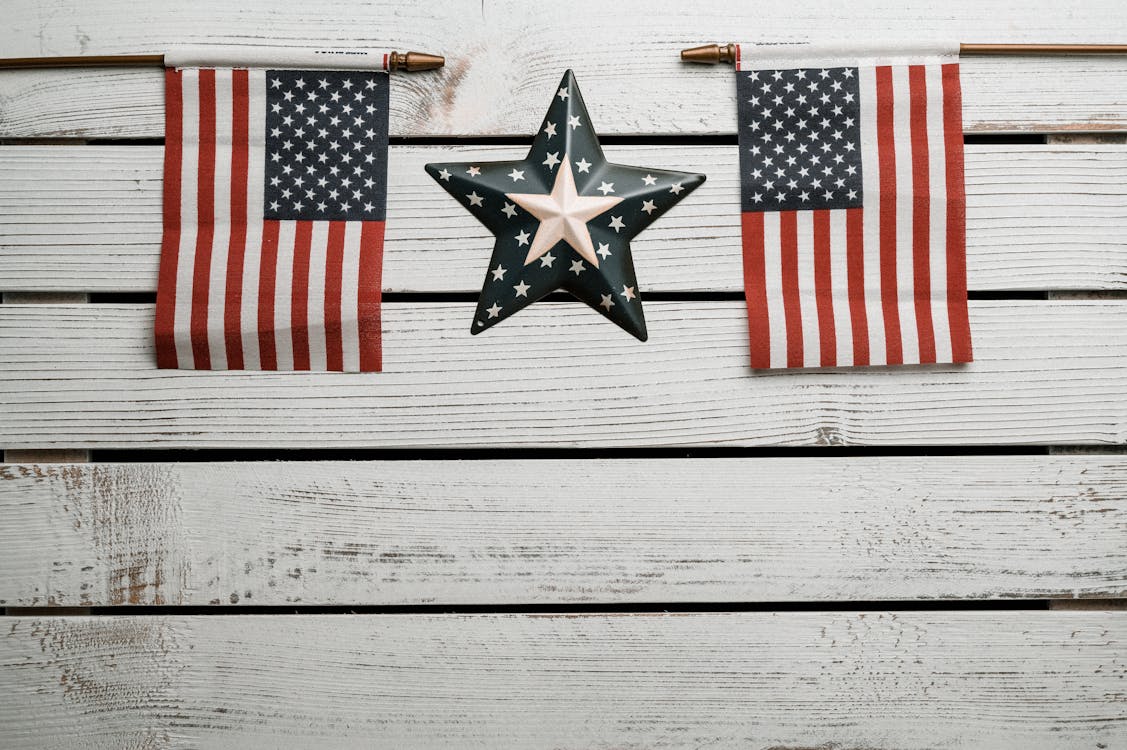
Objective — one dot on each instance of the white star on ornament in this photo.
(547, 260)
(607, 302)
(493, 311)
(550, 128)
(676, 189)
(577, 267)
(604, 250)
(616, 223)
(649, 179)
(648, 207)
(573, 122)
(509, 210)
(562, 94)
(606, 187)
(498, 273)
(583, 165)
(628, 292)
(475, 199)
(522, 289)
(522, 240)
(473, 171)
(516, 174)
(563, 215)
(552, 160)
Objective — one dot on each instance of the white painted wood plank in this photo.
(559, 375)
(906, 680)
(543, 532)
(504, 57)
(88, 217)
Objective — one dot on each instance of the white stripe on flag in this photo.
(221, 239)
(839, 271)
(283, 295)
(773, 273)
(807, 301)
(937, 187)
(252, 261)
(318, 257)
(870, 172)
(350, 297)
(905, 275)
(189, 219)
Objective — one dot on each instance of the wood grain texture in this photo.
(559, 375)
(1004, 680)
(88, 217)
(561, 531)
(505, 56)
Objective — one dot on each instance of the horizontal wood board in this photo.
(503, 532)
(88, 218)
(557, 375)
(504, 58)
(1007, 680)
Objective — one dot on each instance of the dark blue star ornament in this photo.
(564, 217)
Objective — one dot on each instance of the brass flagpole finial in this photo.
(710, 54)
(726, 53)
(413, 61)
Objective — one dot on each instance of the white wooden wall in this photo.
(511, 590)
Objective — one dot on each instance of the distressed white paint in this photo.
(816, 528)
(557, 375)
(505, 56)
(897, 681)
(88, 217)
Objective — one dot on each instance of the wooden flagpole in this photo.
(408, 61)
(726, 53)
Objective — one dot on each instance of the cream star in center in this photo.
(563, 215)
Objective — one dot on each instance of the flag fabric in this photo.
(853, 206)
(275, 185)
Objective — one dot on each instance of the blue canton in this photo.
(326, 145)
(800, 139)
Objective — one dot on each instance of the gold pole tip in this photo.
(710, 54)
(415, 61)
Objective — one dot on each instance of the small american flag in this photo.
(853, 211)
(275, 185)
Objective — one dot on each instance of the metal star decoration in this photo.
(564, 217)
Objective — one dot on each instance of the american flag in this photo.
(853, 213)
(275, 185)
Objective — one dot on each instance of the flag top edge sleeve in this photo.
(213, 56)
(837, 54)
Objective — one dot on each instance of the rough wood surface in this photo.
(558, 375)
(564, 531)
(505, 56)
(88, 217)
(900, 681)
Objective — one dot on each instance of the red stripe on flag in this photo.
(334, 274)
(236, 249)
(170, 239)
(855, 265)
(956, 216)
(267, 278)
(886, 156)
(823, 289)
(792, 310)
(369, 291)
(205, 200)
(921, 212)
(299, 295)
(755, 289)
